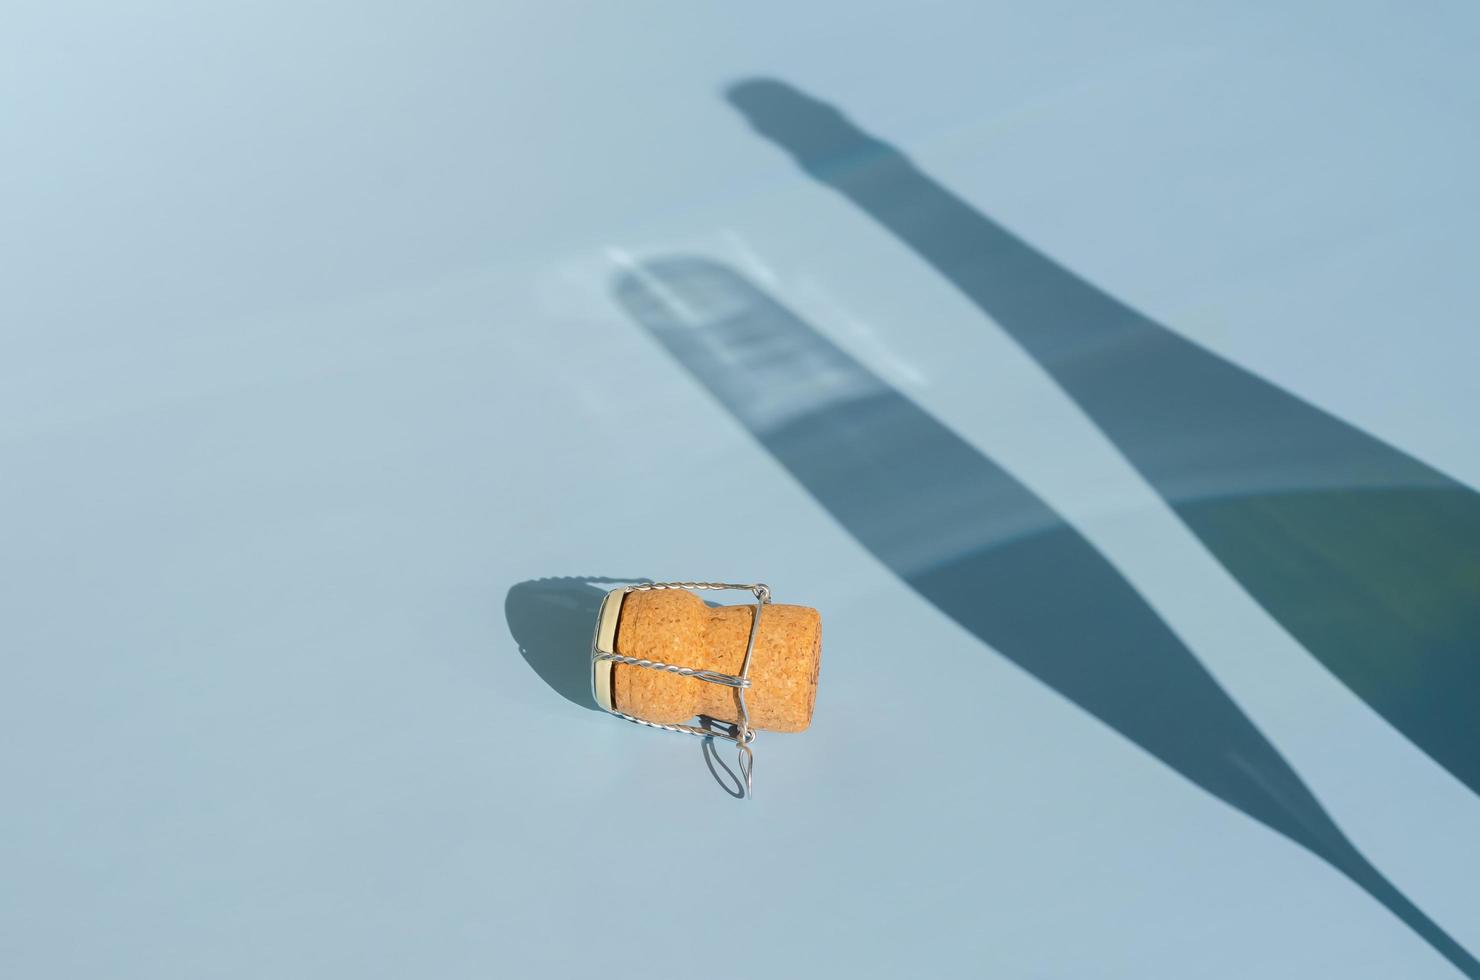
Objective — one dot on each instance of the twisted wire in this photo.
(698, 730)
(712, 676)
(760, 590)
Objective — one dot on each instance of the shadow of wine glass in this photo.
(956, 527)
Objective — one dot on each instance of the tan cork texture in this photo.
(676, 627)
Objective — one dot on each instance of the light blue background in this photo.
(308, 357)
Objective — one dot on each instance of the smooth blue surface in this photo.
(311, 364)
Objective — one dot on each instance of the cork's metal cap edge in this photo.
(605, 641)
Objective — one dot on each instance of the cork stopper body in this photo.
(677, 627)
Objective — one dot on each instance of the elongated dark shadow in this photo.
(982, 548)
(1368, 557)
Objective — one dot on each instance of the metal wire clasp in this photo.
(742, 734)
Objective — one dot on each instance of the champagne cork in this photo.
(677, 627)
